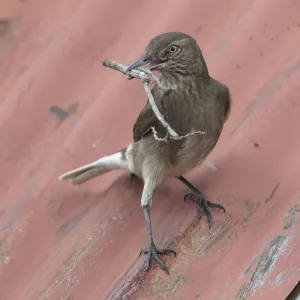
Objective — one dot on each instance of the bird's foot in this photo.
(153, 253)
(203, 205)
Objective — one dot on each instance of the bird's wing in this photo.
(225, 97)
(144, 122)
(228, 106)
(147, 119)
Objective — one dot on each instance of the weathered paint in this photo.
(58, 110)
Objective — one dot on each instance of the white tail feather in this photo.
(99, 167)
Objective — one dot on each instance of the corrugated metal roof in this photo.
(59, 110)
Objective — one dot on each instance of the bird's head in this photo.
(171, 52)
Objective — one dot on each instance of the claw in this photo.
(210, 204)
(166, 251)
(170, 251)
(153, 253)
(203, 205)
(143, 251)
(189, 196)
(200, 211)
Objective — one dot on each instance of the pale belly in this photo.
(193, 154)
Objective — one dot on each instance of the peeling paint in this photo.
(285, 275)
(292, 217)
(248, 269)
(265, 266)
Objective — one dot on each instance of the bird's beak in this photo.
(141, 62)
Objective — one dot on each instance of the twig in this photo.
(156, 79)
(165, 139)
(145, 80)
(141, 75)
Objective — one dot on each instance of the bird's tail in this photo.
(116, 161)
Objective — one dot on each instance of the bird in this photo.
(195, 102)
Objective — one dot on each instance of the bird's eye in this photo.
(174, 49)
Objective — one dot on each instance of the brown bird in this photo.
(195, 102)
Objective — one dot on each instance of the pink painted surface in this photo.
(10, 9)
(59, 109)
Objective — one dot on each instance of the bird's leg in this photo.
(152, 251)
(202, 203)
